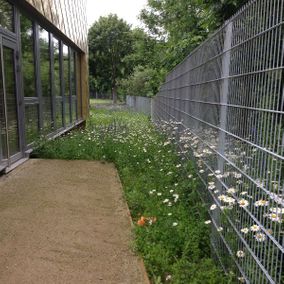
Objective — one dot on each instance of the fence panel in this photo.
(227, 100)
(140, 104)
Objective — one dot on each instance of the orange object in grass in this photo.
(141, 222)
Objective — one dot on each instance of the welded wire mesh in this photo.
(226, 99)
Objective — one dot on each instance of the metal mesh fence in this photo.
(226, 103)
(140, 104)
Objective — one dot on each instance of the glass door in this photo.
(9, 122)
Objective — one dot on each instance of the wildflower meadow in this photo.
(161, 189)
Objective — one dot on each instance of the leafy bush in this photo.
(144, 82)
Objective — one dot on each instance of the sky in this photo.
(126, 9)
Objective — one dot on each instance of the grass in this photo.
(170, 233)
(100, 102)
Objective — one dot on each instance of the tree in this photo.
(110, 42)
(184, 24)
(224, 9)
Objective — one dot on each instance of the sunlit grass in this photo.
(100, 102)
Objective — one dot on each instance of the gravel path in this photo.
(65, 222)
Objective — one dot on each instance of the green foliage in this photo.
(144, 81)
(174, 29)
(184, 24)
(175, 244)
(110, 41)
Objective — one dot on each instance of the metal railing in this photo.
(225, 103)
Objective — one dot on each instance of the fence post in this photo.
(152, 109)
(224, 93)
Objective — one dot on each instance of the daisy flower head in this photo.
(274, 217)
(260, 237)
(254, 228)
(277, 210)
(245, 230)
(213, 207)
(240, 254)
(231, 190)
(261, 202)
(211, 186)
(176, 196)
(168, 278)
(222, 197)
(243, 203)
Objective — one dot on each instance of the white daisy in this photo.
(243, 203)
(260, 237)
(274, 217)
(231, 190)
(213, 207)
(240, 254)
(261, 202)
(245, 230)
(254, 228)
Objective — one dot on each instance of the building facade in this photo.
(43, 72)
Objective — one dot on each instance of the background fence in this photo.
(225, 103)
(140, 104)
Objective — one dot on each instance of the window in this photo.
(31, 122)
(10, 86)
(66, 73)
(45, 79)
(73, 85)
(57, 84)
(29, 84)
(7, 15)
(28, 63)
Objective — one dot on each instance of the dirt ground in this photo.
(65, 222)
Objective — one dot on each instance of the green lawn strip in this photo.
(100, 101)
(173, 241)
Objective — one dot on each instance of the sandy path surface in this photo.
(65, 222)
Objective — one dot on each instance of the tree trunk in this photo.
(114, 95)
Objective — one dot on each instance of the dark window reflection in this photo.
(31, 122)
(9, 74)
(28, 66)
(45, 78)
(57, 84)
(73, 86)
(6, 15)
(3, 144)
(66, 83)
